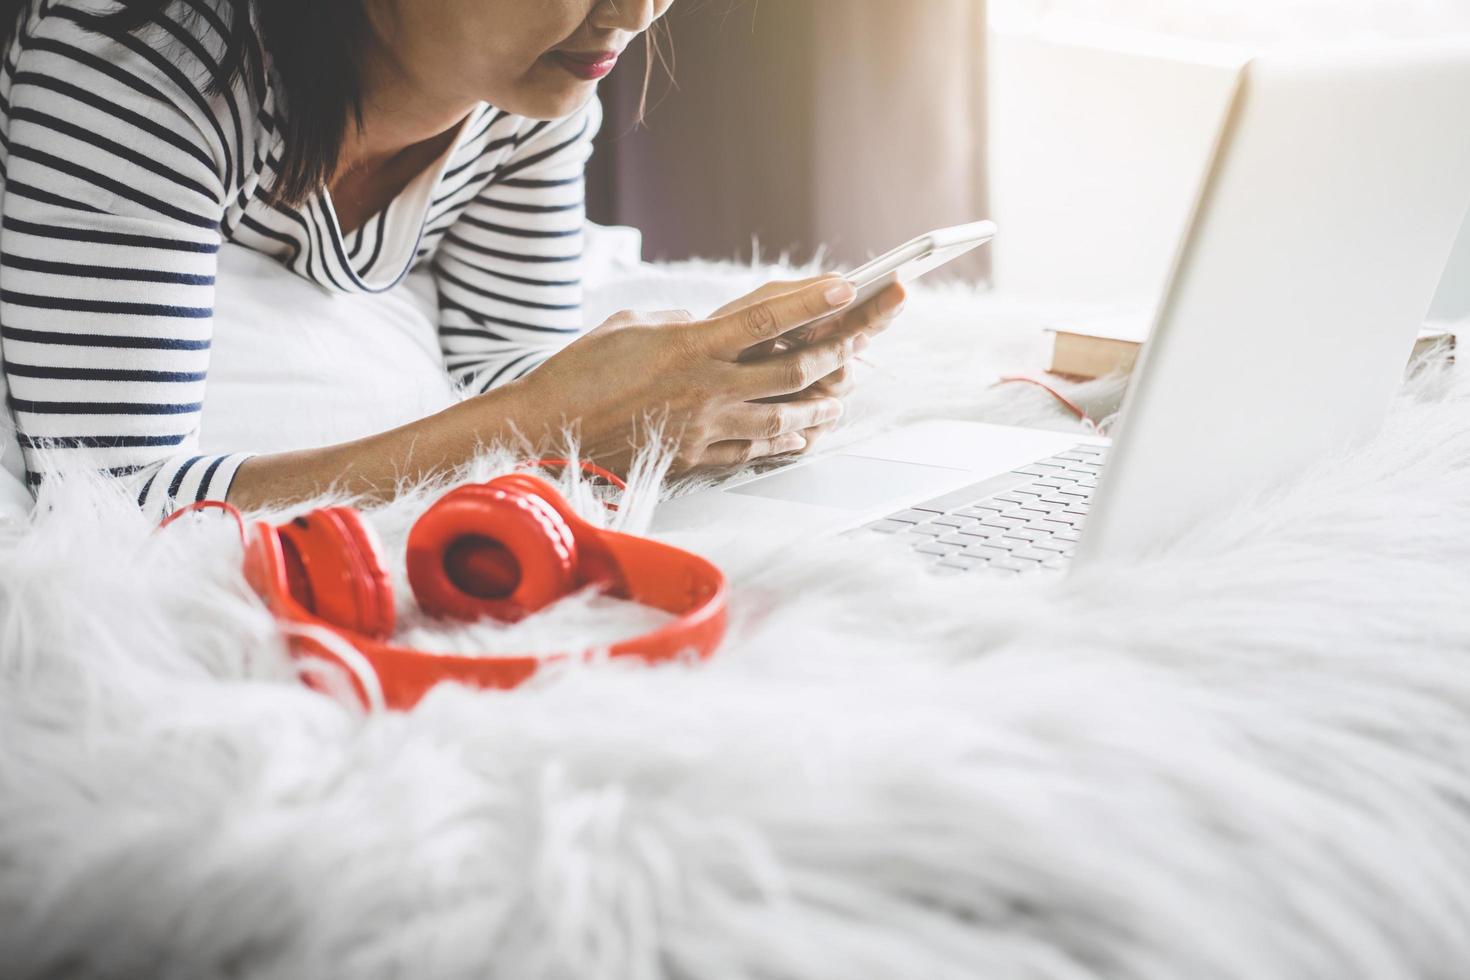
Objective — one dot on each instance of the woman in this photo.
(352, 140)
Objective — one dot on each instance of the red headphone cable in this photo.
(589, 468)
(1071, 406)
(203, 505)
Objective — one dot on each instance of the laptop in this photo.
(1320, 233)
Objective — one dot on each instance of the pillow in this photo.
(294, 367)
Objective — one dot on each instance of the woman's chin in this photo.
(547, 96)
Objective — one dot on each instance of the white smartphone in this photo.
(922, 255)
(904, 264)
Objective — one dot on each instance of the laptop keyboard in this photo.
(1024, 521)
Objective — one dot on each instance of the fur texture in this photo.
(1247, 757)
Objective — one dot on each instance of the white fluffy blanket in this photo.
(1247, 758)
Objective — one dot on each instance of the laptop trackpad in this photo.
(848, 482)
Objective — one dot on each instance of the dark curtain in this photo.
(848, 125)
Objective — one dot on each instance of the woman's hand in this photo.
(861, 322)
(698, 379)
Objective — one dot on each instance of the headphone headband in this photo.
(524, 517)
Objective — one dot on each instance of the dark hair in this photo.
(315, 50)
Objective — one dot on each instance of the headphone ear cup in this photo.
(334, 571)
(499, 550)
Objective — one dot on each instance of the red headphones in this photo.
(502, 550)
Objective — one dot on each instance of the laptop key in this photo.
(965, 496)
(1014, 564)
(1042, 468)
(1068, 536)
(963, 562)
(911, 516)
(980, 527)
(1052, 547)
(1003, 522)
(890, 527)
(1049, 526)
(955, 520)
(929, 531)
(987, 551)
(936, 548)
(1034, 554)
(963, 540)
(1028, 534)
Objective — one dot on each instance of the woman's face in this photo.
(534, 58)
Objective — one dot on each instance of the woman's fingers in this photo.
(813, 436)
(884, 308)
(775, 430)
(737, 452)
(728, 337)
(869, 319)
(838, 384)
(770, 289)
(755, 422)
(792, 371)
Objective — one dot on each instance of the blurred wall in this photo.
(849, 125)
(1099, 140)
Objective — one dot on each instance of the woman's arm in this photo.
(608, 385)
(374, 467)
(115, 180)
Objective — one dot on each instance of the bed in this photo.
(1242, 757)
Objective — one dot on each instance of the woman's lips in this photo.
(588, 67)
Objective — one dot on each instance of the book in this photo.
(1111, 346)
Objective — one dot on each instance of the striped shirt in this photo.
(121, 176)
